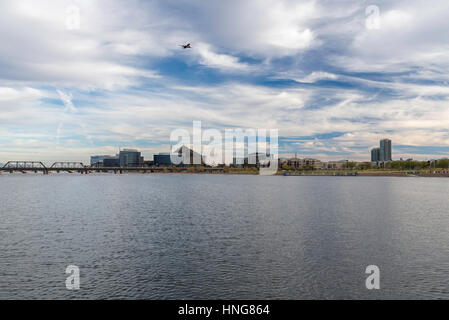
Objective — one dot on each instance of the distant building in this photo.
(341, 164)
(162, 159)
(312, 163)
(180, 157)
(96, 160)
(382, 154)
(375, 155)
(130, 158)
(293, 162)
(125, 158)
(297, 163)
(148, 163)
(104, 161)
(385, 150)
(257, 158)
(188, 156)
(111, 162)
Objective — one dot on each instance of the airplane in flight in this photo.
(185, 46)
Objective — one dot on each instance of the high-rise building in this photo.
(385, 150)
(375, 155)
(383, 153)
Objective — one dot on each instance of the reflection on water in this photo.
(223, 236)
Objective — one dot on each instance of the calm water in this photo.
(221, 236)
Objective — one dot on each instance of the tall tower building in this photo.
(375, 155)
(385, 150)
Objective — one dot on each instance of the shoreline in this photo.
(404, 174)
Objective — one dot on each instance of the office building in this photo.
(307, 163)
(96, 160)
(385, 150)
(130, 158)
(188, 157)
(333, 165)
(383, 153)
(104, 161)
(162, 159)
(111, 162)
(375, 155)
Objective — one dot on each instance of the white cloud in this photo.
(41, 50)
(264, 28)
(26, 93)
(221, 61)
(410, 36)
(317, 76)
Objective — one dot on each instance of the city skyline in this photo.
(376, 155)
(88, 80)
(228, 158)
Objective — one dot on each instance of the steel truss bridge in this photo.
(79, 167)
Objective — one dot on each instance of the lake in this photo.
(182, 236)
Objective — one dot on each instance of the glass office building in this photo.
(375, 155)
(130, 158)
(385, 150)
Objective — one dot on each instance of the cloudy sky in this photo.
(85, 77)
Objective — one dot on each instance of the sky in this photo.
(86, 77)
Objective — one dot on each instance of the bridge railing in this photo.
(73, 165)
(24, 165)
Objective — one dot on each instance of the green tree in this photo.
(398, 165)
(349, 165)
(364, 166)
(443, 163)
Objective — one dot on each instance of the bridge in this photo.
(24, 166)
(62, 165)
(79, 167)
